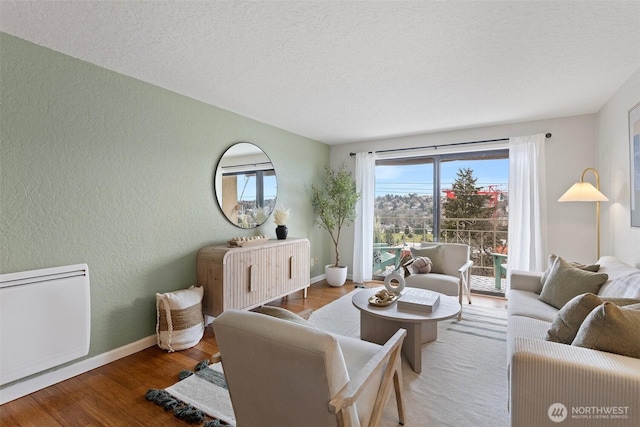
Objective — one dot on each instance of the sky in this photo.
(419, 178)
(402, 180)
(247, 187)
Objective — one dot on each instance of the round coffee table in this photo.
(378, 324)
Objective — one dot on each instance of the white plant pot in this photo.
(336, 276)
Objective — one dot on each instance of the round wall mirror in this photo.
(245, 185)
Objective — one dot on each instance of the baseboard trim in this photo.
(31, 385)
(317, 279)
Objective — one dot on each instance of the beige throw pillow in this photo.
(422, 265)
(434, 253)
(566, 281)
(587, 267)
(568, 320)
(612, 329)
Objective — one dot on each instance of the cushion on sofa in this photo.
(615, 268)
(552, 258)
(527, 304)
(523, 327)
(434, 253)
(627, 286)
(422, 265)
(612, 329)
(568, 320)
(434, 282)
(565, 281)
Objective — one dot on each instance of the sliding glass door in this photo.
(459, 198)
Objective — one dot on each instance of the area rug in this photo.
(464, 375)
(201, 397)
(463, 380)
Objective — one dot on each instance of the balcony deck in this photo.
(487, 285)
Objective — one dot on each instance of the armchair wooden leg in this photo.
(392, 373)
(342, 420)
(397, 385)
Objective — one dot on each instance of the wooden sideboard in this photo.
(251, 276)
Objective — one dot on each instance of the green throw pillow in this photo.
(612, 329)
(434, 253)
(587, 267)
(568, 320)
(566, 281)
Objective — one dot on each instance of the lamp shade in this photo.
(583, 192)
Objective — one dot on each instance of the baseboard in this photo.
(316, 279)
(31, 385)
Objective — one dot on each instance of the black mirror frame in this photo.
(259, 188)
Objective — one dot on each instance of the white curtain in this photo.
(363, 233)
(527, 204)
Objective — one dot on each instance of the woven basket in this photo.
(180, 323)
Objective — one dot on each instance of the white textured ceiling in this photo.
(354, 70)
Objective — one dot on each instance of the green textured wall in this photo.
(101, 168)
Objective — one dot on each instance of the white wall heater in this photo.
(45, 319)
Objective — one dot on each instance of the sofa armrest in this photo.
(525, 281)
(543, 373)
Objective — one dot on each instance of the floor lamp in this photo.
(585, 192)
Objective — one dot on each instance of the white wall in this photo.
(572, 148)
(619, 238)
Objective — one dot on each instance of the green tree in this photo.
(377, 231)
(335, 203)
(389, 237)
(460, 212)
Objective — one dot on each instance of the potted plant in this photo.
(280, 217)
(335, 205)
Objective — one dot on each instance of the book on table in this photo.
(418, 299)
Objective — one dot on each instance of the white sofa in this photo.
(549, 379)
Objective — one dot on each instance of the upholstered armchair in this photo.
(282, 373)
(450, 270)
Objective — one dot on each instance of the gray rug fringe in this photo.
(180, 409)
(184, 374)
(200, 366)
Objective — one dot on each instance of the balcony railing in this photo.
(487, 238)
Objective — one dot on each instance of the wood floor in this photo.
(113, 395)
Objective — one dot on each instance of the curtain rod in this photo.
(435, 147)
